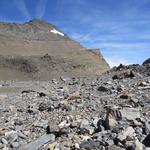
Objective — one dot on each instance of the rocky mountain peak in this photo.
(34, 29)
(37, 21)
(42, 26)
(23, 48)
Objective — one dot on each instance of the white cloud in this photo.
(116, 60)
(82, 37)
(41, 7)
(22, 8)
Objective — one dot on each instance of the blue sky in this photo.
(120, 28)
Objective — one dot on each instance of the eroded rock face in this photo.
(39, 50)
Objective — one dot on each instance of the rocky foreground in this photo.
(108, 112)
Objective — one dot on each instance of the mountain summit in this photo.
(32, 30)
(39, 50)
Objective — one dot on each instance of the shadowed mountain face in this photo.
(39, 50)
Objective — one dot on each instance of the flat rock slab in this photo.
(130, 113)
(39, 142)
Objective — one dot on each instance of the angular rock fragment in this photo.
(89, 145)
(3, 97)
(130, 113)
(74, 96)
(125, 113)
(53, 128)
(114, 147)
(134, 101)
(138, 145)
(52, 146)
(43, 106)
(77, 146)
(144, 88)
(110, 121)
(124, 74)
(112, 116)
(128, 133)
(4, 141)
(84, 123)
(64, 124)
(41, 124)
(15, 145)
(44, 139)
(147, 127)
(146, 141)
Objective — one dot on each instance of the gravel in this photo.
(92, 113)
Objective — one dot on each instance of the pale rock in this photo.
(115, 148)
(138, 145)
(90, 130)
(77, 146)
(133, 101)
(130, 113)
(85, 137)
(5, 148)
(3, 97)
(125, 113)
(10, 132)
(57, 147)
(84, 123)
(4, 141)
(63, 124)
(52, 146)
(44, 139)
(76, 138)
(74, 96)
(41, 124)
(126, 133)
(15, 145)
(67, 143)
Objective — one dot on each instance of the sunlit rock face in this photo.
(39, 50)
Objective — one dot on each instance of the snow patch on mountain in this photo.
(57, 32)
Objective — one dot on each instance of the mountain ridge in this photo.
(36, 39)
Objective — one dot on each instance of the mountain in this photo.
(39, 50)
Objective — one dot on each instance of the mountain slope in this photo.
(41, 45)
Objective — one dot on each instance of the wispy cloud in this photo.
(116, 60)
(41, 8)
(4, 18)
(21, 5)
